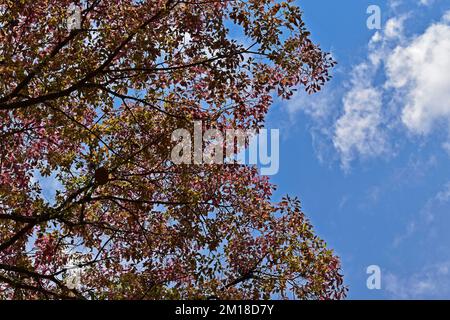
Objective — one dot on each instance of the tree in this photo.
(94, 107)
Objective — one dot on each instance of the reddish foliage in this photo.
(95, 108)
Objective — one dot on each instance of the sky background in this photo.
(369, 157)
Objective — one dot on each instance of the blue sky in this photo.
(370, 156)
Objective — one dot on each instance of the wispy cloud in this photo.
(412, 100)
(432, 282)
(321, 108)
(426, 216)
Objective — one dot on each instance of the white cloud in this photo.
(317, 105)
(432, 282)
(446, 146)
(426, 2)
(427, 215)
(419, 70)
(413, 99)
(358, 130)
(446, 17)
(444, 195)
(394, 27)
(417, 85)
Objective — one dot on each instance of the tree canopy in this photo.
(94, 107)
